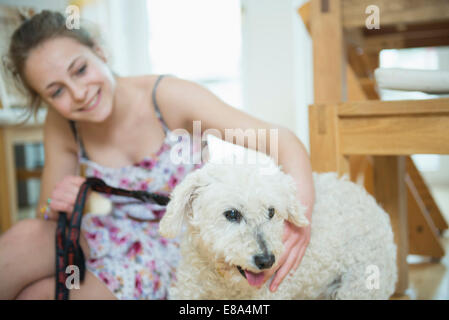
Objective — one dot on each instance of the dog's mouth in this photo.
(254, 279)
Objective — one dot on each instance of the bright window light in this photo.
(413, 58)
(199, 40)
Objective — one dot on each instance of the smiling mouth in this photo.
(94, 102)
(254, 279)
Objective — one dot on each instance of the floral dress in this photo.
(127, 252)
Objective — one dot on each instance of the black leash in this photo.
(68, 249)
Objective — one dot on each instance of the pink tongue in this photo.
(254, 279)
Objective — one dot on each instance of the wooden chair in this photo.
(345, 125)
(11, 135)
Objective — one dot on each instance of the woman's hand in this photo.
(64, 195)
(296, 239)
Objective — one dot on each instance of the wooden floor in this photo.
(430, 280)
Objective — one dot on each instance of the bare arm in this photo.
(60, 158)
(183, 102)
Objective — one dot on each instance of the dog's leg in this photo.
(362, 282)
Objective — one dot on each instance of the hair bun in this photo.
(25, 14)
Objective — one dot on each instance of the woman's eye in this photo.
(56, 93)
(82, 69)
(270, 212)
(233, 215)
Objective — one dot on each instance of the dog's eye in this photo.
(270, 212)
(233, 215)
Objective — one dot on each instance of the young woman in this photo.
(121, 130)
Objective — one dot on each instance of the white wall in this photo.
(303, 75)
(129, 32)
(276, 62)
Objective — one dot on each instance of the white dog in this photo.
(235, 220)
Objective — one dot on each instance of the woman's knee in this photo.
(40, 290)
(90, 288)
(28, 249)
(35, 233)
(25, 255)
(29, 232)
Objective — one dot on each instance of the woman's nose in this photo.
(79, 92)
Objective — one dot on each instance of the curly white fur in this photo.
(351, 254)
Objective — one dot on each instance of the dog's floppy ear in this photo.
(180, 205)
(295, 209)
(296, 213)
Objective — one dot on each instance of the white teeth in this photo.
(93, 102)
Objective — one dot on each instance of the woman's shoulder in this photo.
(167, 81)
(145, 85)
(174, 96)
(144, 82)
(167, 93)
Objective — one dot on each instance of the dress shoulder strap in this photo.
(72, 126)
(78, 140)
(156, 107)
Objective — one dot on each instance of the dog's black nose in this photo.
(264, 261)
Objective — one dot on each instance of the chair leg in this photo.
(5, 214)
(356, 166)
(390, 191)
(324, 140)
(362, 172)
(423, 234)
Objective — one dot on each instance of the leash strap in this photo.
(68, 249)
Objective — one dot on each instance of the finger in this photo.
(68, 187)
(287, 249)
(284, 270)
(301, 255)
(61, 196)
(287, 231)
(71, 184)
(269, 273)
(58, 205)
(286, 267)
(286, 234)
(78, 181)
(289, 244)
(304, 244)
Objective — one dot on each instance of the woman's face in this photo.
(72, 78)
